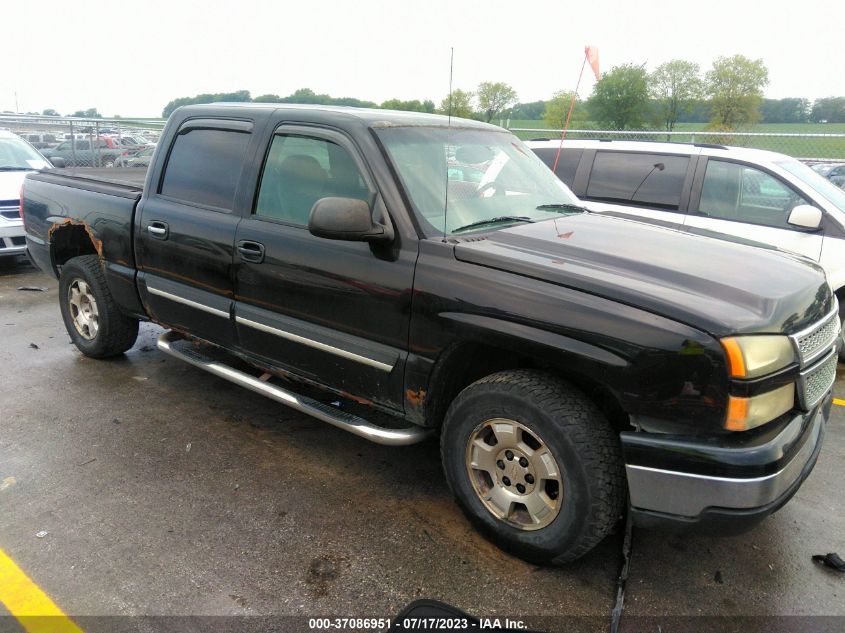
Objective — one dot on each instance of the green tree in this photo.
(494, 98)
(787, 110)
(556, 109)
(308, 96)
(674, 86)
(414, 105)
(830, 109)
(268, 98)
(735, 87)
(90, 113)
(532, 111)
(461, 105)
(620, 98)
(237, 96)
(50, 112)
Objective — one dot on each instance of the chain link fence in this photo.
(81, 143)
(128, 143)
(810, 147)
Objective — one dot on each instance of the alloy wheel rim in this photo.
(83, 309)
(514, 474)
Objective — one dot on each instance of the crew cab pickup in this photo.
(434, 270)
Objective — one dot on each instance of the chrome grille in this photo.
(817, 339)
(816, 381)
(10, 212)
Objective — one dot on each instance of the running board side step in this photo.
(169, 342)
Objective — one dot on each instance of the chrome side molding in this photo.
(169, 343)
(193, 304)
(323, 347)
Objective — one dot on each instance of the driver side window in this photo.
(737, 192)
(299, 171)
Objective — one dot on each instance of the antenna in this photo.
(448, 139)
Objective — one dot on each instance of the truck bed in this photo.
(132, 178)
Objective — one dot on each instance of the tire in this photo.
(107, 162)
(92, 318)
(544, 413)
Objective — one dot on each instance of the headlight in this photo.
(754, 356)
(749, 413)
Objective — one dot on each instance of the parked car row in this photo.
(127, 138)
(834, 172)
(734, 193)
(141, 159)
(17, 159)
(102, 151)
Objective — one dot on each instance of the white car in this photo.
(749, 194)
(17, 159)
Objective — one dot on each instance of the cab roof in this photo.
(372, 117)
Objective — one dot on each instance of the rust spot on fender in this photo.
(415, 398)
(98, 244)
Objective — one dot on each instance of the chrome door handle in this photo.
(158, 230)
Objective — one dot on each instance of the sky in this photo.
(130, 59)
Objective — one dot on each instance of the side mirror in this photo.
(58, 162)
(347, 219)
(805, 216)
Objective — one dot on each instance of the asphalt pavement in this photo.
(142, 486)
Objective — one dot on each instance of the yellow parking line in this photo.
(841, 403)
(31, 606)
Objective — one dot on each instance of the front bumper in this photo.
(731, 483)
(12, 237)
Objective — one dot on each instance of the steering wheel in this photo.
(486, 186)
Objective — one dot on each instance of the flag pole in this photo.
(569, 114)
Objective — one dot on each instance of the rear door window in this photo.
(204, 167)
(649, 180)
(567, 165)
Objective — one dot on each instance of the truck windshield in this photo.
(15, 154)
(822, 185)
(478, 179)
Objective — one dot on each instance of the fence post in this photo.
(73, 144)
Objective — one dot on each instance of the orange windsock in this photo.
(592, 54)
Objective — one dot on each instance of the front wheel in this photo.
(92, 318)
(534, 465)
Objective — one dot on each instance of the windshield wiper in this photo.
(501, 218)
(564, 206)
(15, 168)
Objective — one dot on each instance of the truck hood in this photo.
(714, 285)
(10, 184)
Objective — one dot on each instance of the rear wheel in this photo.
(534, 465)
(92, 318)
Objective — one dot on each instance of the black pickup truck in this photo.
(574, 365)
